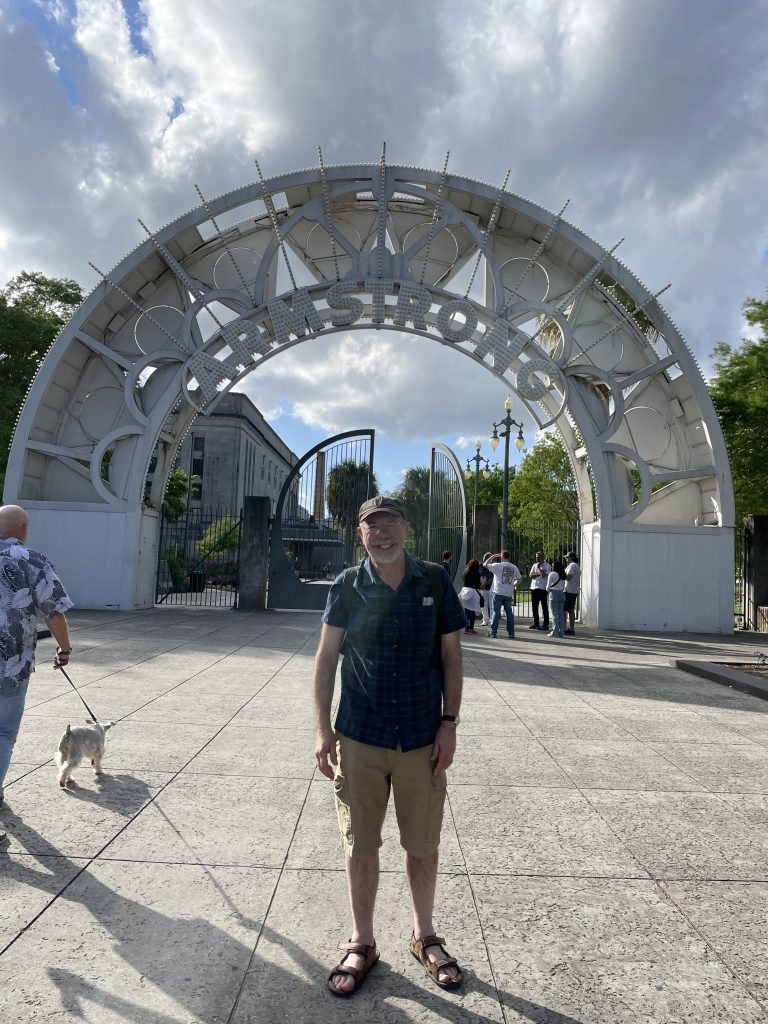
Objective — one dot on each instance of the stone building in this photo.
(232, 453)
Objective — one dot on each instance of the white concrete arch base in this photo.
(507, 283)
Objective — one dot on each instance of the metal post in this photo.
(507, 422)
(476, 459)
(430, 503)
(505, 488)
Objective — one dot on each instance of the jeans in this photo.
(12, 698)
(557, 601)
(503, 601)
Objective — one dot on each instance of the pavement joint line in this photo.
(397, 872)
(280, 873)
(739, 981)
(476, 908)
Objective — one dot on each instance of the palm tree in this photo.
(346, 490)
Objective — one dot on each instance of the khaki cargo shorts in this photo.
(364, 777)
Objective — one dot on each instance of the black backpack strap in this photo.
(348, 588)
(347, 597)
(435, 574)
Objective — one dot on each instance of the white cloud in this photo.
(650, 116)
(408, 389)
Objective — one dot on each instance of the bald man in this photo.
(30, 591)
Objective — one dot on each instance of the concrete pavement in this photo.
(604, 859)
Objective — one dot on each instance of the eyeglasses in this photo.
(381, 528)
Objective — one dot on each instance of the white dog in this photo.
(81, 742)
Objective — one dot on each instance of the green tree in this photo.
(739, 390)
(221, 538)
(543, 489)
(33, 309)
(176, 494)
(489, 488)
(413, 494)
(346, 490)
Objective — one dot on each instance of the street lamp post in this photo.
(477, 458)
(508, 423)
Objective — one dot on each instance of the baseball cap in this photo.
(380, 504)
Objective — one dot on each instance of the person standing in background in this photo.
(556, 591)
(572, 589)
(539, 574)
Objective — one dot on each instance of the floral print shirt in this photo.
(30, 591)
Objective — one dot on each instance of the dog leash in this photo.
(63, 670)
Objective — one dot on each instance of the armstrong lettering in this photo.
(259, 332)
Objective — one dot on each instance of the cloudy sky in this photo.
(652, 115)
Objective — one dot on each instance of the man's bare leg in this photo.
(422, 881)
(363, 884)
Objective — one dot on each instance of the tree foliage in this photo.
(176, 495)
(346, 490)
(489, 488)
(221, 537)
(739, 390)
(33, 309)
(543, 489)
(413, 494)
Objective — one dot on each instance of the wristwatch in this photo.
(451, 718)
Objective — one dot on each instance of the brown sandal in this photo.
(371, 955)
(433, 968)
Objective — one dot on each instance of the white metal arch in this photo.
(509, 284)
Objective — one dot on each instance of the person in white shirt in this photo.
(506, 576)
(556, 591)
(540, 570)
(486, 577)
(572, 588)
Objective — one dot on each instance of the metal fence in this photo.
(555, 539)
(739, 611)
(199, 559)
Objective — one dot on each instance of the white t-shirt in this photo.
(555, 581)
(539, 582)
(505, 575)
(573, 585)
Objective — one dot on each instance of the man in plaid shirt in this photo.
(401, 682)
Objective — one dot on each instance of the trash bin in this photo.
(196, 581)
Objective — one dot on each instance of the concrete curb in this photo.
(726, 676)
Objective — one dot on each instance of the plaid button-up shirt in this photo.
(391, 675)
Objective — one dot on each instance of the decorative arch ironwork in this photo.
(511, 285)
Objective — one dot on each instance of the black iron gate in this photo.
(314, 532)
(199, 559)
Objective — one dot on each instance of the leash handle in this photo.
(63, 670)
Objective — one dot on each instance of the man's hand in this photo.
(444, 747)
(61, 658)
(325, 751)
